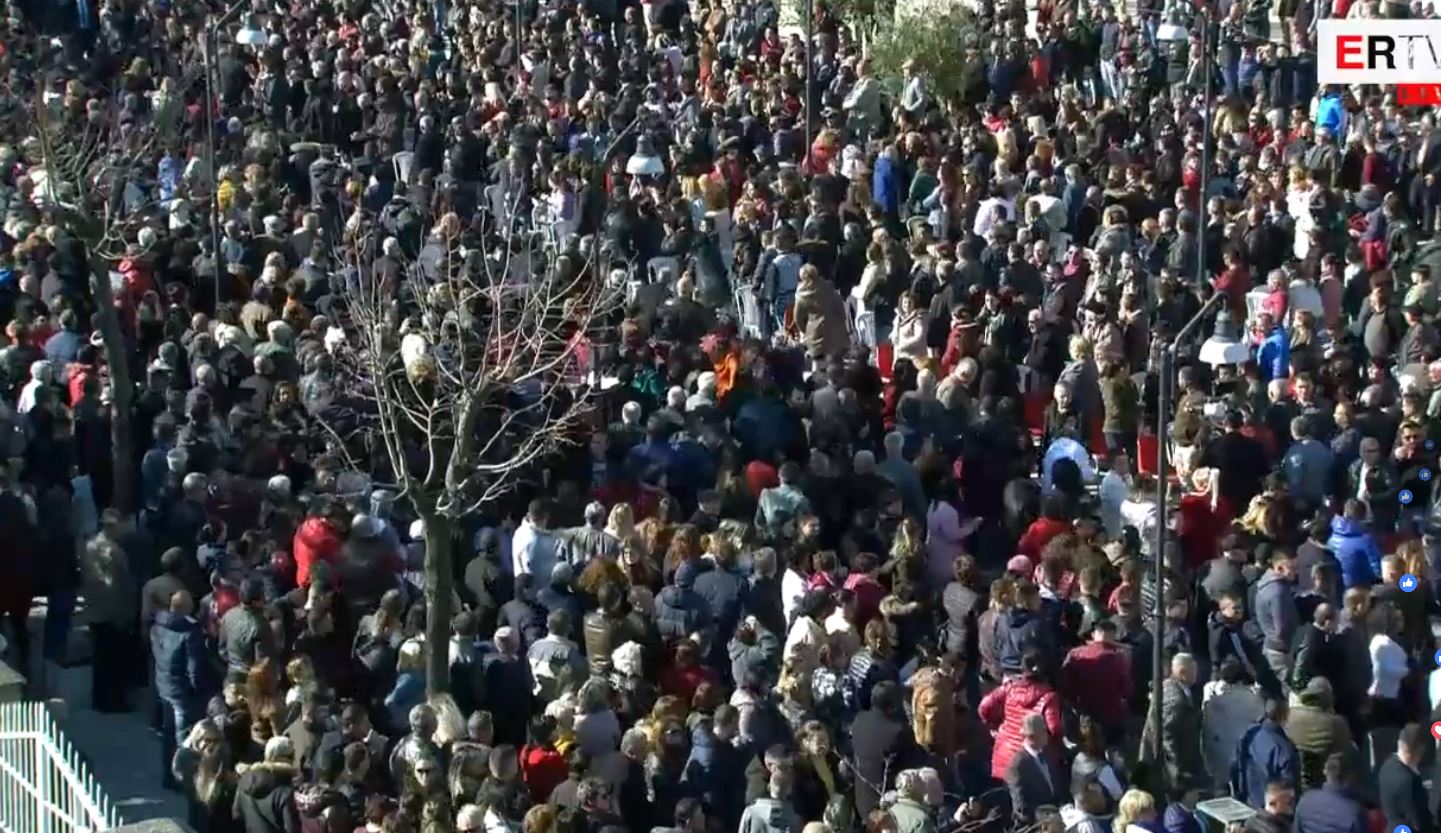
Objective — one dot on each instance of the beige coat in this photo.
(820, 316)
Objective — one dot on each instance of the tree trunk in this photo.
(122, 391)
(439, 588)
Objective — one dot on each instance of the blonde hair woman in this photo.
(621, 524)
(449, 722)
(1136, 807)
(202, 766)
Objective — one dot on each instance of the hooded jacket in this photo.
(1005, 710)
(1017, 629)
(265, 799)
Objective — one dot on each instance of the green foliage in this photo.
(936, 36)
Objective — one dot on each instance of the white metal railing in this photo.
(45, 787)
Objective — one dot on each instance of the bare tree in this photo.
(86, 169)
(478, 381)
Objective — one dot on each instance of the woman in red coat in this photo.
(1004, 710)
(318, 539)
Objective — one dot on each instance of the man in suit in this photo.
(1401, 790)
(1032, 776)
(1425, 191)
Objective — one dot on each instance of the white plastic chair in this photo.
(404, 162)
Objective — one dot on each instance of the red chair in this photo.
(885, 359)
(1033, 410)
(1148, 454)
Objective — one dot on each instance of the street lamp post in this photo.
(809, 97)
(211, 44)
(1165, 373)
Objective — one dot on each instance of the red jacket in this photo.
(315, 541)
(542, 770)
(1200, 528)
(1038, 535)
(1005, 710)
(1096, 677)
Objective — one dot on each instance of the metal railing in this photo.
(45, 786)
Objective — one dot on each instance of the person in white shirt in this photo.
(1115, 490)
(1389, 667)
(534, 550)
(803, 643)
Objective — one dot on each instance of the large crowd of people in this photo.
(862, 529)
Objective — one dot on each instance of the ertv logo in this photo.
(1405, 54)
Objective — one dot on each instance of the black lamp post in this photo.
(810, 67)
(211, 44)
(1165, 373)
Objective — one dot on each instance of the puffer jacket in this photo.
(1356, 549)
(680, 612)
(1006, 708)
(315, 541)
(265, 799)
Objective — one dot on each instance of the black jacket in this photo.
(265, 799)
(1403, 797)
(880, 745)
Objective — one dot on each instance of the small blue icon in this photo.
(1407, 583)
(1438, 657)
(1401, 828)
(1425, 475)
(1405, 497)
(1430, 446)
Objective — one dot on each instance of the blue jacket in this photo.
(723, 591)
(714, 774)
(409, 692)
(1331, 114)
(1330, 810)
(680, 612)
(1263, 754)
(1274, 357)
(1276, 610)
(1356, 549)
(1308, 466)
(178, 646)
(885, 187)
(1180, 820)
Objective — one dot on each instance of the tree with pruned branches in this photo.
(475, 364)
(86, 158)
